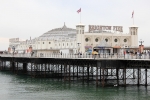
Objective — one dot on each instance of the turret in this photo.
(80, 38)
(133, 30)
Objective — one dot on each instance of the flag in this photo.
(79, 10)
(132, 14)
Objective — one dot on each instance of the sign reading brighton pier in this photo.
(93, 28)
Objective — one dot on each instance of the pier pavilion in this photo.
(73, 41)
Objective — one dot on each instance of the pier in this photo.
(104, 70)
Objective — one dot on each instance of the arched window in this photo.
(86, 39)
(115, 40)
(125, 40)
(96, 40)
(106, 40)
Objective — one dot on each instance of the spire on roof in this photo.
(64, 26)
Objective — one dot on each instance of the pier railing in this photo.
(76, 56)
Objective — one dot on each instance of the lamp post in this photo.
(13, 49)
(140, 47)
(78, 47)
(13, 63)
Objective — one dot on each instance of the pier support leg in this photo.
(124, 76)
(98, 66)
(31, 69)
(17, 68)
(88, 73)
(92, 71)
(35, 69)
(45, 70)
(61, 72)
(96, 75)
(77, 71)
(24, 68)
(83, 73)
(0, 65)
(133, 73)
(73, 71)
(4, 64)
(139, 77)
(100, 75)
(69, 73)
(145, 76)
(103, 78)
(65, 71)
(117, 70)
(41, 67)
(13, 66)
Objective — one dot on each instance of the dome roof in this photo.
(57, 33)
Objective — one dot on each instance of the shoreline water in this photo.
(16, 87)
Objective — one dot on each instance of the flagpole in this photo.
(133, 20)
(133, 16)
(80, 17)
(79, 11)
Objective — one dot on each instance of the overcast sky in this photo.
(25, 18)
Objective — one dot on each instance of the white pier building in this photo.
(103, 39)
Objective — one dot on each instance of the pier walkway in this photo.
(72, 56)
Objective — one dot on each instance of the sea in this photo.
(20, 87)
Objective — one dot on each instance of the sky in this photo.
(31, 18)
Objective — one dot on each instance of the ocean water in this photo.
(17, 87)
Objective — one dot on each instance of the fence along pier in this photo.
(104, 72)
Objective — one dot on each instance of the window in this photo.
(106, 40)
(67, 44)
(82, 31)
(125, 40)
(96, 40)
(86, 39)
(43, 42)
(115, 40)
(49, 42)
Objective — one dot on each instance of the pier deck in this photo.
(103, 71)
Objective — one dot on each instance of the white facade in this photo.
(113, 41)
(68, 40)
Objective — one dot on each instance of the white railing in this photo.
(76, 56)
